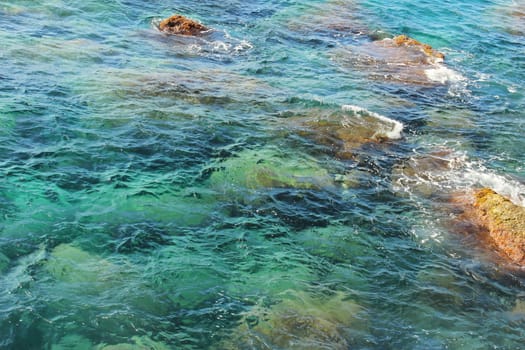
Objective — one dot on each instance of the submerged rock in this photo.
(268, 168)
(519, 308)
(335, 17)
(73, 265)
(300, 321)
(4, 262)
(505, 222)
(181, 25)
(426, 174)
(139, 343)
(511, 17)
(400, 59)
(73, 342)
(197, 88)
(343, 131)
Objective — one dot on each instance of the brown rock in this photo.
(181, 25)
(505, 222)
(403, 40)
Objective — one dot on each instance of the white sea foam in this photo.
(221, 46)
(504, 185)
(243, 45)
(396, 127)
(462, 174)
(442, 74)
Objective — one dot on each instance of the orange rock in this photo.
(181, 25)
(403, 40)
(505, 222)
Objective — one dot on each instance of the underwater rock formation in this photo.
(300, 321)
(505, 222)
(343, 131)
(180, 25)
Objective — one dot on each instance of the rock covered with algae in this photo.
(345, 130)
(268, 168)
(505, 222)
(180, 25)
(299, 321)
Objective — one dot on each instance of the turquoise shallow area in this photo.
(159, 191)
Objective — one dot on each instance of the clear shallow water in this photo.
(159, 187)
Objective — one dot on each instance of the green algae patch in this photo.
(268, 168)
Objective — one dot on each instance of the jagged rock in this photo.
(181, 25)
(403, 40)
(343, 131)
(505, 222)
(495, 221)
(300, 321)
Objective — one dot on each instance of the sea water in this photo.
(160, 192)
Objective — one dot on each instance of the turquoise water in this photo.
(162, 192)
